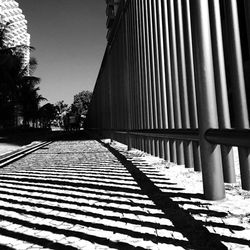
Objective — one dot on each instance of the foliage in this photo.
(61, 107)
(18, 86)
(47, 113)
(82, 101)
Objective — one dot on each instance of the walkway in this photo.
(87, 195)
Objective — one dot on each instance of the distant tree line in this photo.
(19, 97)
(72, 116)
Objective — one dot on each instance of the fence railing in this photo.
(173, 83)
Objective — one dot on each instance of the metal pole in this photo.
(247, 18)
(110, 94)
(142, 72)
(149, 77)
(153, 76)
(221, 89)
(134, 65)
(127, 78)
(183, 82)
(146, 83)
(155, 68)
(238, 84)
(133, 71)
(191, 81)
(168, 74)
(130, 61)
(158, 80)
(139, 97)
(162, 75)
(212, 174)
(152, 71)
(175, 80)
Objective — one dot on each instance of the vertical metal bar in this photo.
(136, 69)
(156, 55)
(148, 74)
(114, 72)
(212, 174)
(160, 86)
(108, 65)
(137, 74)
(162, 75)
(221, 89)
(161, 62)
(153, 65)
(151, 71)
(238, 84)
(146, 83)
(132, 63)
(236, 63)
(247, 18)
(130, 71)
(121, 73)
(142, 72)
(168, 74)
(191, 81)
(183, 82)
(119, 83)
(158, 82)
(175, 80)
(127, 77)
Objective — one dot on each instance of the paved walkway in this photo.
(84, 195)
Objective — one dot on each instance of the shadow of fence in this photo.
(81, 194)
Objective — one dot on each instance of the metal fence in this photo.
(173, 83)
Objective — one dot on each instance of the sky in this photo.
(69, 37)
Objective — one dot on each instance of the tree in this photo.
(28, 97)
(61, 107)
(82, 101)
(18, 86)
(47, 113)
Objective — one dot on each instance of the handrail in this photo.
(176, 134)
(230, 137)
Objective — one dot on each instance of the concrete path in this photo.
(85, 195)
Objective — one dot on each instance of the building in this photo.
(16, 30)
(111, 11)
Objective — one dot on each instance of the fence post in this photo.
(191, 80)
(175, 80)
(221, 89)
(127, 78)
(168, 74)
(146, 76)
(238, 84)
(151, 72)
(212, 174)
(188, 152)
(162, 75)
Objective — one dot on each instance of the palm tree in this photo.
(29, 98)
(18, 86)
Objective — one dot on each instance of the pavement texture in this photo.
(17, 140)
(91, 195)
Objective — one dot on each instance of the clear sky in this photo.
(70, 40)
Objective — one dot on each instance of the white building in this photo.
(16, 31)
